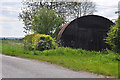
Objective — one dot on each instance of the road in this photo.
(14, 67)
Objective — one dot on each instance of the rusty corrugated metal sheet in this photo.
(61, 31)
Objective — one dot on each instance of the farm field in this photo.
(101, 63)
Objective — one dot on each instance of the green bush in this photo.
(39, 42)
(113, 38)
(27, 40)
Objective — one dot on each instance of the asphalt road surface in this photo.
(14, 67)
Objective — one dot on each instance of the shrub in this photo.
(27, 40)
(39, 42)
(113, 38)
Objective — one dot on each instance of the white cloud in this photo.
(10, 0)
(107, 8)
(109, 13)
(8, 19)
(10, 9)
(9, 22)
(108, 2)
(0, 30)
(11, 29)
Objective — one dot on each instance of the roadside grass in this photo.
(102, 63)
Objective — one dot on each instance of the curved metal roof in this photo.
(83, 20)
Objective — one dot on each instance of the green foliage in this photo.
(75, 59)
(64, 9)
(43, 42)
(113, 38)
(28, 42)
(46, 22)
(39, 42)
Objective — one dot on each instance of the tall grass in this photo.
(105, 62)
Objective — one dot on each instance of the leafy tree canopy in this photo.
(67, 10)
(46, 22)
(113, 38)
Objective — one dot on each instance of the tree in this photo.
(67, 10)
(113, 38)
(85, 7)
(46, 22)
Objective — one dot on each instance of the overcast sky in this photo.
(10, 26)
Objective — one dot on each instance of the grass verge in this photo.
(103, 63)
